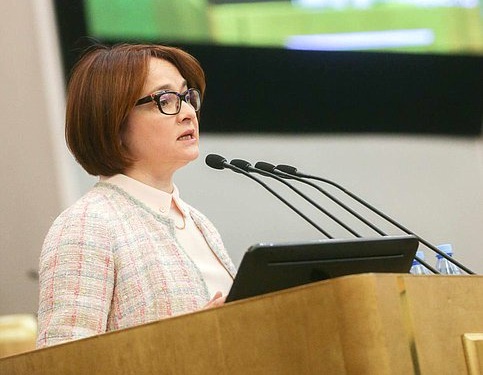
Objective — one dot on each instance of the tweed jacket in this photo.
(109, 262)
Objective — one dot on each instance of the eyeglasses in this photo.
(169, 102)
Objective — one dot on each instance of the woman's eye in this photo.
(163, 102)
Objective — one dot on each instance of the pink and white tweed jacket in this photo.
(109, 262)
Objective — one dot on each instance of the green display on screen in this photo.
(435, 26)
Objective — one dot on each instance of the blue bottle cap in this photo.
(446, 248)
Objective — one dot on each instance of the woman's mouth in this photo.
(186, 136)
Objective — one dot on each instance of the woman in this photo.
(130, 251)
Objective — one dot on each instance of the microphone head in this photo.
(215, 161)
(264, 166)
(287, 169)
(242, 164)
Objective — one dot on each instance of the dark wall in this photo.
(275, 90)
(252, 89)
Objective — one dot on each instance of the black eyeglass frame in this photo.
(154, 97)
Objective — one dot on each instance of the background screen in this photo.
(437, 26)
(309, 66)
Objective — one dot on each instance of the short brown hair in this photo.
(103, 89)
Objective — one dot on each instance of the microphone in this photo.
(219, 162)
(292, 172)
(246, 166)
(216, 161)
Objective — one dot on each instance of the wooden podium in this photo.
(359, 324)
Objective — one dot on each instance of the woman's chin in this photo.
(192, 155)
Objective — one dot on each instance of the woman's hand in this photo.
(217, 300)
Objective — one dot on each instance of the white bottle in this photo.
(417, 268)
(443, 265)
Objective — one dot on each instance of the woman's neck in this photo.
(163, 182)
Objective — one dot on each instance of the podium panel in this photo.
(359, 324)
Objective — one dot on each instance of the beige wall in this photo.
(432, 185)
(30, 192)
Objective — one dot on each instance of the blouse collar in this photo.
(157, 200)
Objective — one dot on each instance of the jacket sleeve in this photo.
(76, 279)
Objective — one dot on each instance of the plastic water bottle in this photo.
(443, 265)
(417, 268)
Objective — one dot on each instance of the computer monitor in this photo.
(268, 267)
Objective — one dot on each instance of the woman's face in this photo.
(160, 144)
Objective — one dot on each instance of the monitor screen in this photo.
(269, 267)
